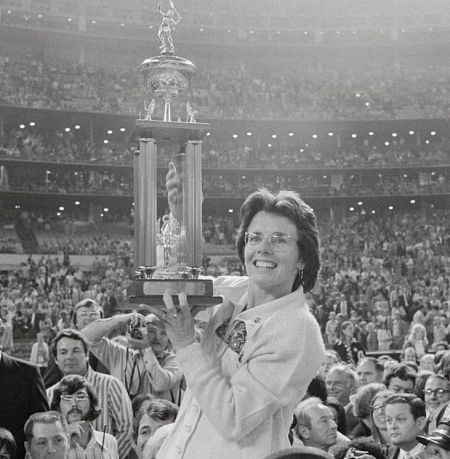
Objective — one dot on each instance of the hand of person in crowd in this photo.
(75, 430)
(179, 321)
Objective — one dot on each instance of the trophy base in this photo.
(150, 292)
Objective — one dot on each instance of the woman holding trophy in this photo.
(262, 346)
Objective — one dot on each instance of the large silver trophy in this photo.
(168, 249)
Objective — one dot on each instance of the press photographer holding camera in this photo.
(146, 365)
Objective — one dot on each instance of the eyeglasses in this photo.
(378, 408)
(438, 392)
(85, 314)
(76, 397)
(278, 241)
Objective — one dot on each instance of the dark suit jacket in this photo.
(22, 393)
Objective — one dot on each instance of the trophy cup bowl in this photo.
(167, 76)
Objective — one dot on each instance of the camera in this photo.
(134, 329)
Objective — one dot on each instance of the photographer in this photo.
(144, 366)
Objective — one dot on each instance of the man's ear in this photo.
(303, 432)
(420, 422)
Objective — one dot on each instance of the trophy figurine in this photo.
(149, 109)
(168, 246)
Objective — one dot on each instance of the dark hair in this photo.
(363, 399)
(379, 367)
(69, 333)
(287, 204)
(317, 388)
(7, 442)
(71, 384)
(300, 452)
(421, 381)
(44, 417)
(138, 400)
(159, 410)
(341, 420)
(86, 303)
(400, 371)
(416, 405)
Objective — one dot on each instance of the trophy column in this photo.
(145, 203)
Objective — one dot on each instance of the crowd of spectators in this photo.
(221, 152)
(253, 92)
(383, 287)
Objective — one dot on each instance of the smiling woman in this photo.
(262, 346)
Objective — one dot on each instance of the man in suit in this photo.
(22, 393)
(405, 420)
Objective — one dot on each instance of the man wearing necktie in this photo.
(405, 420)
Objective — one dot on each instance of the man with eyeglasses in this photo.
(146, 365)
(70, 350)
(77, 401)
(84, 312)
(437, 396)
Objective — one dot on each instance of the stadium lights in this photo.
(314, 136)
(17, 206)
(48, 172)
(394, 134)
(67, 129)
(208, 134)
(274, 136)
(427, 141)
(391, 207)
(324, 176)
(106, 141)
(93, 21)
(357, 94)
(330, 134)
(61, 208)
(69, 19)
(371, 132)
(411, 132)
(77, 126)
(249, 134)
(405, 175)
(230, 211)
(22, 126)
(201, 29)
(360, 203)
(301, 150)
(387, 143)
(433, 133)
(291, 134)
(101, 215)
(122, 24)
(77, 203)
(351, 209)
(9, 11)
(269, 145)
(109, 131)
(32, 123)
(373, 212)
(105, 209)
(235, 136)
(75, 173)
(58, 214)
(433, 173)
(367, 104)
(122, 129)
(380, 175)
(412, 201)
(354, 136)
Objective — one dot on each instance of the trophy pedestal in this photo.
(150, 292)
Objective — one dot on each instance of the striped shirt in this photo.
(115, 404)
